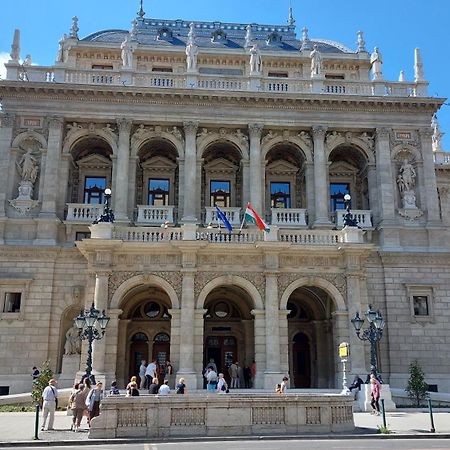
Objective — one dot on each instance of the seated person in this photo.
(356, 384)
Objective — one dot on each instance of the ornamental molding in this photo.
(206, 136)
(414, 260)
(404, 138)
(74, 128)
(147, 260)
(229, 259)
(143, 133)
(289, 261)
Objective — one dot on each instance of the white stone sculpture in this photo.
(27, 61)
(62, 49)
(248, 37)
(361, 42)
(306, 43)
(376, 60)
(255, 61)
(74, 28)
(191, 50)
(406, 179)
(127, 53)
(28, 167)
(437, 135)
(316, 62)
(72, 345)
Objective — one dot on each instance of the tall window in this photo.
(158, 192)
(220, 193)
(280, 194)
(12, 302)
(337, 192)
(94, 188)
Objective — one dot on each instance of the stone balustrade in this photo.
(289, 217)
(154, 215)
(242, 237)
(232, 214)
(149, 416)
(363, 218)
(147, 234)
(83, 213)
(311, 237)
(217, 82)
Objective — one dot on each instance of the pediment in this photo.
(342, 167)
(158, 163)
(282, 166)
(94, 162)
(220, 165)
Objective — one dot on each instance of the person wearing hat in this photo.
(50, 402)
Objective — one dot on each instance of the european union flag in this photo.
(223, 218)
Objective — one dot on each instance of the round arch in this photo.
(296, 142)
(212, 138)
(406, 148)
(140, 280)
(235, 280)
(328, 287)
(355, 143)
(29, 135)
(81, 134)
(138, 143)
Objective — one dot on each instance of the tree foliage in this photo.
(41, 383)
(416, 387)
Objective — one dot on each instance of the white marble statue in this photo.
(248, 36)
(72, 345)
(191, 57)
(376, 60)
(255, 61)
(406, 179)
(316, 62)
(28, 167)
(127, 52)
(27, 61)
(437, 135)
(62, 50)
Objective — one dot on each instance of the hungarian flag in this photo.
(251, 216)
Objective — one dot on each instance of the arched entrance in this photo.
(228, 330)
(311, 351)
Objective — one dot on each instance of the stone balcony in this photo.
(232, 214)
(289, 218)
(83, 213)
(363, 218)
(62, 74)
(155, 215)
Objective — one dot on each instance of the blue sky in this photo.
(395, 26)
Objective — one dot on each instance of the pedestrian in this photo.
(181, 387)
(284, 385)
(154, 387)
(211, 364)
(356, 384)
(114, 390)
(240, 377)
(142, 369)
(211, 380)
(71, 404)
(35, 373)
(375, 392)
(133, 379)
(222, 386)
(253, 373)
(164, 389)
(150, 372)
(79, 406)
(50, 403)
(132, 390)
(93, 401)
(247, 376)
(233, 372)
(278, 389)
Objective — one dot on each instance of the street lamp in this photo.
(91, 325)
(108, 214)
(349, 221)
(372, 334)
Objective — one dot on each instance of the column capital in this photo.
(55, 121)
(426, 133)
(255, 129)
(190, 127)
(7, 120)
(319, 131)
(382, 133)
(124, 125)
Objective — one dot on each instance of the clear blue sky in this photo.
(395, 26)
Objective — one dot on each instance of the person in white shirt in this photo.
(142, 369)
(150, 372)
(50, 400)
(211, 380)
(164, 389)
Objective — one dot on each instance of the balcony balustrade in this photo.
(154, 215)
(363, 218)
(232, 214)
(289, 218)
(215, 82)
(83, 213)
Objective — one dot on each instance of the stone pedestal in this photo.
(69, 371)
(102, 230)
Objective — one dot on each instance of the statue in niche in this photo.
(127, 53)
(316, 62)
(255, 61)
(406, 179)
(28, 166)
(376, 60)
(72, 345)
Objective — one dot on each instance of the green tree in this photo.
(416, 388)
(41, 383)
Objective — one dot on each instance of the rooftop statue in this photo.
(316, 62)
(255, 61)
(248, 36)
(127, 52)
(62, 50)
(376, 60)
(191, 51)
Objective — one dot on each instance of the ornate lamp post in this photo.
(372, 334)
(108, 214)
(349, 221)
(91, 325)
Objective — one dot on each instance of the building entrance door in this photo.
(138, 352)
(161, 352)
(301, 355)
(223, 351)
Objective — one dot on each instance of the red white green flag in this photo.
(252, 217)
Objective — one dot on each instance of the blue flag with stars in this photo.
(221, 215)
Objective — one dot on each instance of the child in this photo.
(278, 389)
(114, 390)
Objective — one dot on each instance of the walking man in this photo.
(50, 402)
(142, 368)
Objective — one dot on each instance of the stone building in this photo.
(176, 117)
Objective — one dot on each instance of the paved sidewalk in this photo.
(19, 427)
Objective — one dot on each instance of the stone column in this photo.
(120, 186)
(132, 186)
(372, 184)
(273, 367)
(431, 201)
(181, 187)
(190, 172)
(245, 167)
(175, 338)
(256, 195)
(260, 346)
(111, 345)
(187, 355)
(310, 194)
(6, 134)
(321, 219)
(101, 303)
(284, 341)
(50, 188)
